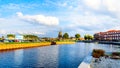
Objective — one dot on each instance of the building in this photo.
(13, 38)
(111, 35)
(60, 35)
(19, 38)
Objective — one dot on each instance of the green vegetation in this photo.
(34, 38)
(31, 37)
(10, 35)
(65, 36)
(77, 36)
(0, 38)
(88, 37)
(97, 53)
(33, 41)
(11, 46)
(115, 53)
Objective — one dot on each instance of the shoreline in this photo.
(14, 46)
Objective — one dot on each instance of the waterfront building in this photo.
(111, 35)
(19, 38)
(13, 38)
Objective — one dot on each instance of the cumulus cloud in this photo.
(30, 32)
(39, 19)
(15, 26)
(91, 23)
(111, 6)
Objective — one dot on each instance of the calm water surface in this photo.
(59, 56)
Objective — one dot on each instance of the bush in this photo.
(98, 53)
(116, 54)
(53, 43)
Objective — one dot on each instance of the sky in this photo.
(48, 17)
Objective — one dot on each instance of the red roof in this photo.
(108, 31)
(112, 30)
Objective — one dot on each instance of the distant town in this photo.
(111, 35)
(35, 38)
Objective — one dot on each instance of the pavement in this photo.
(105, 63)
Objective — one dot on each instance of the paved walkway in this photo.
(105, 63)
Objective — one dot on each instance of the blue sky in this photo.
(47, 17)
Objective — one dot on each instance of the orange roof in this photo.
(108, 31)
(112, 30)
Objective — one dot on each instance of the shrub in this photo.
(98, 53)
(116, 54)
(53, 43)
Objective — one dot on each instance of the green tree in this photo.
(88, 37)
(77, 36)
(91, 37)
(66, 36)
(31, 37)
(10, 36)
(0, 38)
(85, 37)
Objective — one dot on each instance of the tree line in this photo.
(77, 36)
(65, 36)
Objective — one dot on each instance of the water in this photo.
(59, 56)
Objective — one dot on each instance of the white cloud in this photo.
(19, 14)
(63, 4)
(2, 19)
(39, 19)
(18, 25)
(30, 32)
(2, 32)
(94, 4)
(111, 6)
(84, 16)
(90, 23)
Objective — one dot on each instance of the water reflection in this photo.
(48, 57)
(18, 56)
(59, 56)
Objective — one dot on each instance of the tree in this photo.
(0, 38)
(85, 37)
(91, 37)
(88, 37)
(10, 36)
(66, 36)
(77, 36)
(31, 37)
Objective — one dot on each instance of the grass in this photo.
(14, 45)
(65, 42)
(9, 46)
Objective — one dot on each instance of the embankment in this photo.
(12, 46)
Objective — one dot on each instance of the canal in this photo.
(58, 56)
